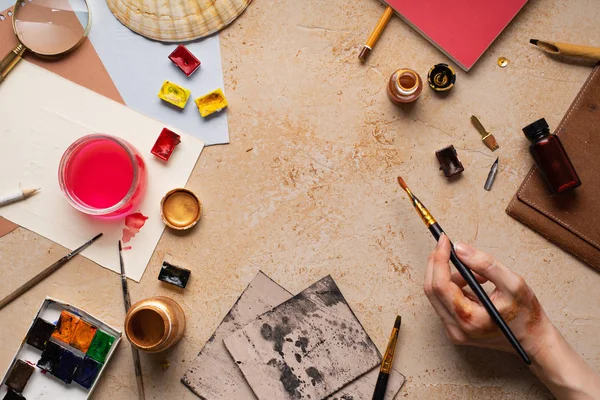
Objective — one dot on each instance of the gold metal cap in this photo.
(180, 209)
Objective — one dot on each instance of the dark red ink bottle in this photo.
(551, 158)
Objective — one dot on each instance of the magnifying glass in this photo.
(47, 28)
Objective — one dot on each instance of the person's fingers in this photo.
(457, 278)
(487, 266)
(439, 308)
(451, 296)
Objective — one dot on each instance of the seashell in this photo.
(176, 20)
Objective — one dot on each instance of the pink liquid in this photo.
(100, 173)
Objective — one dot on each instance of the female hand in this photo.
(465, 319)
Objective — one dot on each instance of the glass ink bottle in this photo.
(405, 86)
(551, 158)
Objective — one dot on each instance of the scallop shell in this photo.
(176, 20)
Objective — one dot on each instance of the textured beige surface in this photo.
(307, 188)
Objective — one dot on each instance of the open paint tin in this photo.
(180, 209)
(63, 355)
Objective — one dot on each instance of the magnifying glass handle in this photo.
(10, 60)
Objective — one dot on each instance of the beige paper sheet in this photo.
(42, 114)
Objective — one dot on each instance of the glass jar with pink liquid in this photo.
(103, 175)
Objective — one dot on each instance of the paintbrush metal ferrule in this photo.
(388, 357)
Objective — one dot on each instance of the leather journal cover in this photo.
(571, 220)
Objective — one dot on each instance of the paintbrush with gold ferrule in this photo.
(386, 363)
(466, 273)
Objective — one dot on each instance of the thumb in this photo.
(486, 265)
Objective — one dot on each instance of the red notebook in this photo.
(461, 29)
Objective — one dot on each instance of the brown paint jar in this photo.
(154, 324)
(405, 86)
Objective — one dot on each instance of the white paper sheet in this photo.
(41, 114)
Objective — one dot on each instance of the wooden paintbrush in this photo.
(566, 49)
(466, 273)
(45, 273)
(136, 355)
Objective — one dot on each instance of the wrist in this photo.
(563, 370)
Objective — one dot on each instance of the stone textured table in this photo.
(307, 188)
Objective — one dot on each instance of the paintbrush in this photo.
(487, 138)
(566, 49)
(45, 273)
(467, 274)
(386, 363)
(136, 355)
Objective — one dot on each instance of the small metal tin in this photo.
(180, 209)
(441, 77)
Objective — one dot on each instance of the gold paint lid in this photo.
(180, 209)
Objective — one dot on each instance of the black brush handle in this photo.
(467, 274)
(381, 386)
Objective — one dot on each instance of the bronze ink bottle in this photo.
(551, 158)
(405, 86)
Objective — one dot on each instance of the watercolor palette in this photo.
(62, 356)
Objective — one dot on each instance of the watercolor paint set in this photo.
(62, 356)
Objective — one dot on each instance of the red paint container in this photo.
(103, 175)
(185, 60)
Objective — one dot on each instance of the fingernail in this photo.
(463, 250)
(441, 240)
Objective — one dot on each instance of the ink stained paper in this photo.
(214, 374)
(308, 347)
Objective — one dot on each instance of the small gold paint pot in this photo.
(180, 209)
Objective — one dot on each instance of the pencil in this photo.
(466, 273)
(17, 196)
(386, 363)
(366, 50)
(46, 273)
(136, 355)
(566, 49)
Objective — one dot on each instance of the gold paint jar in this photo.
(154, 324)
(180, 209)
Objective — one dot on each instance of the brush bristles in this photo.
(398, 322)
(402, 184)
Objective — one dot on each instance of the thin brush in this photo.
(46, 273)
(386, 363)
(487, 138)
(136, 355)
(466, 273)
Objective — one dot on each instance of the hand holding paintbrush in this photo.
(461, 305)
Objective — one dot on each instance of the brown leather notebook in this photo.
(571, 220)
